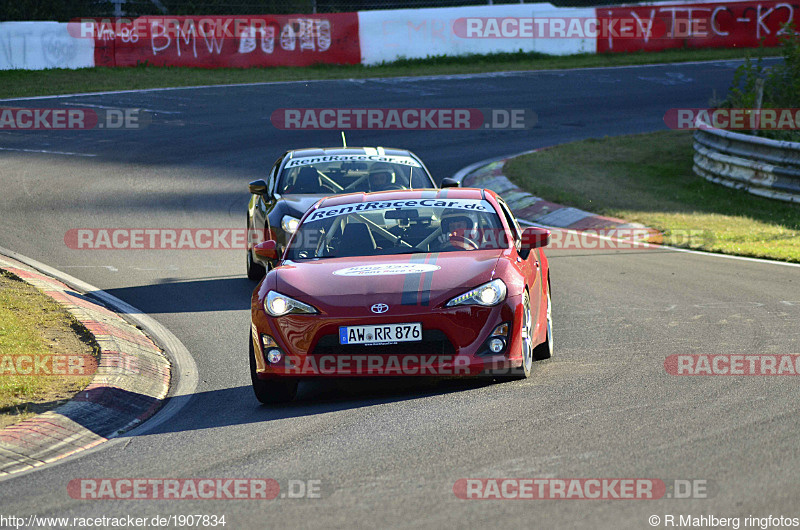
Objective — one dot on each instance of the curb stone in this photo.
(131, 382)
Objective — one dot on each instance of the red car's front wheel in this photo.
(545, 349)
(526, 332)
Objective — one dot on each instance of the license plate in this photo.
(380, 334)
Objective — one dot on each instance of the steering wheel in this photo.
(460, 243)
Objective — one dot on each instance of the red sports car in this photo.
(412, 282)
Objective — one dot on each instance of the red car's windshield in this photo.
(398, 227)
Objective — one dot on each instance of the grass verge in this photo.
(648, 178)
(31, 323)
(20, 83)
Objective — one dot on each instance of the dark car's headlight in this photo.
(277, 305)
(290, 224)
(488, 294)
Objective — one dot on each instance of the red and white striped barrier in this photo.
(373, 37)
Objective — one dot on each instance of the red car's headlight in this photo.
(277, 305)
(488, 294)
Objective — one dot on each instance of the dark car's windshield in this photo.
(403, 226)
(335, 174)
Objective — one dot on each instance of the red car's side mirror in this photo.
(535, 237)
(267, 249)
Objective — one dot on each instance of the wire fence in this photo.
(63, 10)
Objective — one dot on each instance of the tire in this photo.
(271, 390)
(255, 271)
(524, 371)
(545, 350)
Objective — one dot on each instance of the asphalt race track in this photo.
(389, 453)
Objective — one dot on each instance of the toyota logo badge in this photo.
(379, 308)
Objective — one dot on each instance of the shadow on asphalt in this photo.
(238, 405)
(204, 295)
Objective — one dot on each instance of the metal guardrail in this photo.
(761, 166)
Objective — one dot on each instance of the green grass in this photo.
(19, 83)
(648, 178)
(31, 323)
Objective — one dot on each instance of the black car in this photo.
(301, 177)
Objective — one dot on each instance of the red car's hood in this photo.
(407, 280)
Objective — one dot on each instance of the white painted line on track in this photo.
(109, 267)
(116, 107)
(42, 151)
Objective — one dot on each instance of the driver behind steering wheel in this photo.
(382, 177)
(459, 230)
